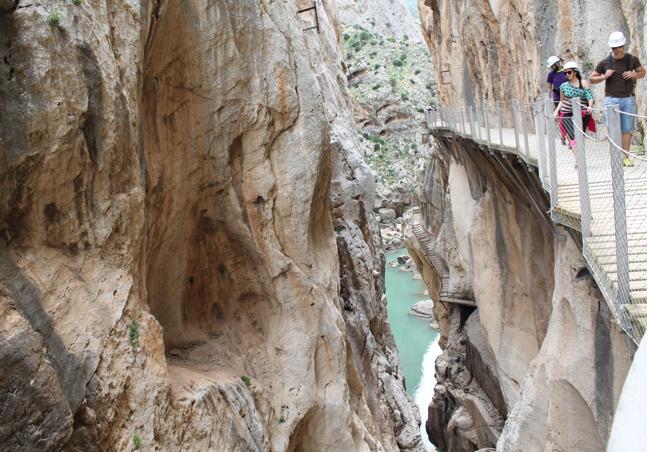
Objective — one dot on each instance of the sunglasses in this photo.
(616, 48)
(569, 72)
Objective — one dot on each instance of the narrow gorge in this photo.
(196, 201)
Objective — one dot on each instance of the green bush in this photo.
(246, 380)
(376, 87)
(133, 334)
(364, 35)
(374, 139)
(393, 81)
(372, 54)
(376, 67)
(404, 97)
(54, 18)
(281, 420)
(417, 71)
(77, 2)
(137, 442)
(398, 63)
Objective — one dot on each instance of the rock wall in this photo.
(187, 260)
(548, 351)
(496, 50)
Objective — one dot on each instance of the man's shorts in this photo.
(627, 104)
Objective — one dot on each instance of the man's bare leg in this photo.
(626, 145)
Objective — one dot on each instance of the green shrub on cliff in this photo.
(54, 18)
(133, 334)
(137, 442)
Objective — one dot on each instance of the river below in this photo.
(417, 342)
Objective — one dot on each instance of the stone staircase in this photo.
(446, 296)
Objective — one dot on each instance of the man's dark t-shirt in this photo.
(616, 86)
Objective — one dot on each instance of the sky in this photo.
(413, 6)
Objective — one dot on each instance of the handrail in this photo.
(590, 189)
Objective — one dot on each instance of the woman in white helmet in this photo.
(574, 87)
(556, 77)
(619, 72)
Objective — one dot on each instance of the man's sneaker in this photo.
(627, 162)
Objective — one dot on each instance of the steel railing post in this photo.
(582, 174)
(461, 112)
(513, 103)
(487, 123)
(524, 128)
(552, 164)
(619, 207)
(498, 121)
(471, 119)
(540, 129)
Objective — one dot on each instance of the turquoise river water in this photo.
(417, 342)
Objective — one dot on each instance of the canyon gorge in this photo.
(190, 248)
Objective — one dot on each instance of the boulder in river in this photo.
(423, 308)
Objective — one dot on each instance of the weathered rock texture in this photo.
(186, 254)
(496, 50)
(544, 349)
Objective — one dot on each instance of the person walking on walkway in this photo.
(556, 77)
(574, 87)
(619, 72)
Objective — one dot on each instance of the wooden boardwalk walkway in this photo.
(600, 247)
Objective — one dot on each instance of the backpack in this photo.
(628, 60)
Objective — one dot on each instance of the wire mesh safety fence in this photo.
(579, 161)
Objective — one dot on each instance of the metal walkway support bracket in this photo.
(311, 8)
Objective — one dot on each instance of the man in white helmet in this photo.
(619, 72)
(556, 77)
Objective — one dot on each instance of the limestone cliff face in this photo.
(497, 50)
(541, 352)
(186, 257)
